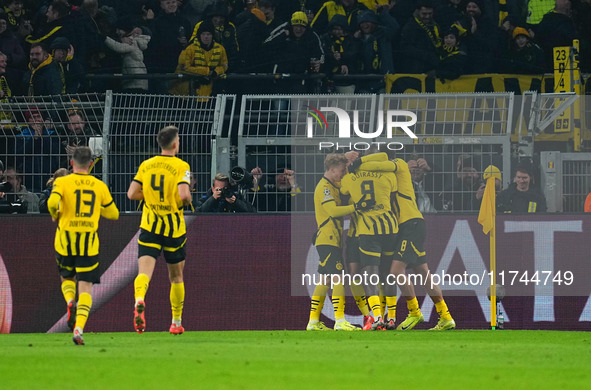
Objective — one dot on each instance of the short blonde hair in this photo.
(220, 177)
(333, 160)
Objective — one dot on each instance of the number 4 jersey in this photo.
(79, 200)
(162, 213)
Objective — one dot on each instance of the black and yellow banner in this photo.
(420, 83)
(482, 83)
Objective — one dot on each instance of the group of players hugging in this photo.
(385, 238)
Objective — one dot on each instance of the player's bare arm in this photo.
(135, 191)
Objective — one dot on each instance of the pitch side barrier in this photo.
(541, 261)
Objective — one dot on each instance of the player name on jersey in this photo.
(366, 174)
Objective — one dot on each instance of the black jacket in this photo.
(418, 53)
(208, 204)
(513, 201)
(44, 80)
(292, 55)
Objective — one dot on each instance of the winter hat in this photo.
(32, 110)
(259, 14)
(520, 31)
(492, 171)
(299, 18)
(338, 20)
(479, 3)
(60, 43)
(367, 16)
(205, 27)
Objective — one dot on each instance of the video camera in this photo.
(240, 181)
(241, 177)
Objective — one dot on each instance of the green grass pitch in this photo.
(458, 359)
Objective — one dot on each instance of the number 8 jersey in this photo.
(82, 200)
(162, 213)
(373, 185)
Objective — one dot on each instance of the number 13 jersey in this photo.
(82, 200)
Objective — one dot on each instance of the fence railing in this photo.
(566, 180)
(274, 132)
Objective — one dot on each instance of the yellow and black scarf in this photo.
(433, 35)
(503, 12)
(5, 88)
(13, 20)
(31, 90)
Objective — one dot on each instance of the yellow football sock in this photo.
(84, 305)
(391, 302)
(317, 302)
(382, 300)
(442, 310)
(69, 290)
(360, 300)
(374, 303)
(141, 283)
(338, 301)
(413, 307)
(177, 300)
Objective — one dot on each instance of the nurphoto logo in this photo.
(344, 128)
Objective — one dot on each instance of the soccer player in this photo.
(163, 184)
(410, 252)
(77, 202)
(376, 228)
(329, 210)
(352, 260)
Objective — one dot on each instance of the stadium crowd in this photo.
(49, 47)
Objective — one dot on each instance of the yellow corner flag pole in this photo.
(487, 217)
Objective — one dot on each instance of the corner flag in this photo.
(486, 216)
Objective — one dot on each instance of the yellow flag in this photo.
(486, 216)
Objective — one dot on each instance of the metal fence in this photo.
(294, 132)
(566, 180)
(132, 121)
(37, 136)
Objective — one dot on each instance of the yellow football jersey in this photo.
(162, 212)
(328, 209)
(404, 204)
(79, 200)
(406, 198)
(372, 185)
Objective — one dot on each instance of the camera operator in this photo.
(224, 197)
